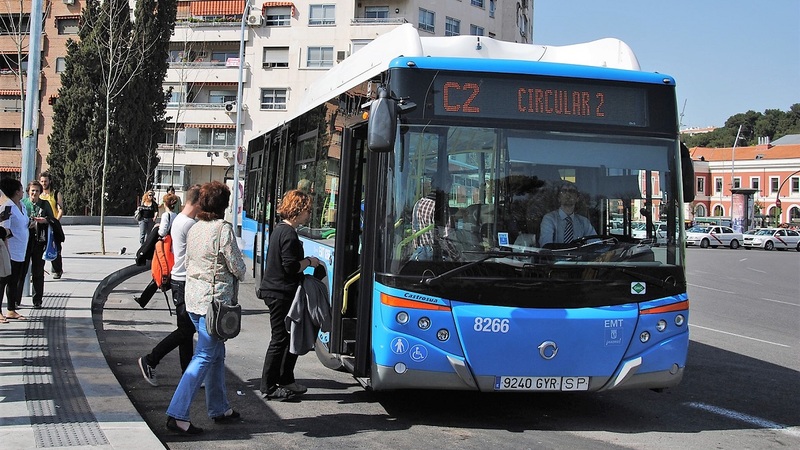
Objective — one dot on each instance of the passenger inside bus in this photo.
(431, 241)
(564, 225)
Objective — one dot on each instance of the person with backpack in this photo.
(183, 336)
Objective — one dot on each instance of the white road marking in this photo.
(752, 420)
(741, 336)
(778, 301)
(710, 289)
(756, 270)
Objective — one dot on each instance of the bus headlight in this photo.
(661, 325)
(644, 337)
(442, 335)
(680, 320)
(424, 323)
(401, 317)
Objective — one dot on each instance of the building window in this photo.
(523, 26)
(210, 138)
(278, 16)
(700, 210)
(492, 8)
(719, 211)
(718, 185)
(322, 15)
(774, 182)
(701, 185)
(15, 24)
(795, 185)
(376, 13)
(166, 177)
(358, 44)
(475, 30)
(478, 3)
(320, 57)
(755, 182)
(61, 64)
(273, 99)
(737, 182)
(452, 27)
(275, 57)
(68, 26)
(426, 20)
(221, 96)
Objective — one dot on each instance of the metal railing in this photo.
(377, 21)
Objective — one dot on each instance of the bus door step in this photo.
(349, 347)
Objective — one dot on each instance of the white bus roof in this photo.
(404, 40)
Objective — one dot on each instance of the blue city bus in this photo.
(486, 131)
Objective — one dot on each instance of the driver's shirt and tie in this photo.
(562, 228)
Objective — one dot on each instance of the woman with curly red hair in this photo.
(284, 271)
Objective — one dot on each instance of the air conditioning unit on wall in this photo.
(255, 19)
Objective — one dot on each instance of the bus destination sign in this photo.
(531, 99)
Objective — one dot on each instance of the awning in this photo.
(217, 83)
(217, 8)
(9, 169)
(15, 92)
(209, 125)
(73, 16)
(268, 4)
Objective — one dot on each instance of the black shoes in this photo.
(57, 275)
(227, 418)
(172, 425)
(280, 393)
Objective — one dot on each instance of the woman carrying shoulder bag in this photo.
(214, 264)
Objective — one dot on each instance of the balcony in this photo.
(200, 72)
(209, 32)
(378, 21)
(210, 114)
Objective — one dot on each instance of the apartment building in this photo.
(61, 18)
(288, 45)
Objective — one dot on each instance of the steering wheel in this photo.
(595, 239)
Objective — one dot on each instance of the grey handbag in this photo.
(223, 320)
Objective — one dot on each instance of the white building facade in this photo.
(287, 46)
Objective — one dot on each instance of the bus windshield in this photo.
(478, 198)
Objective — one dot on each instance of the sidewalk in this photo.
(56, 388)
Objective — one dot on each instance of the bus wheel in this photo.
(734, 244)
(704, 243)
(769, 245)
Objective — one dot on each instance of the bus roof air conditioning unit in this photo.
(255, 19)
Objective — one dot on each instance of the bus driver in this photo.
(563, 225)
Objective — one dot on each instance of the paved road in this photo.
(740, 390)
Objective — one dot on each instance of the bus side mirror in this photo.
(688, 174)
(382, 127)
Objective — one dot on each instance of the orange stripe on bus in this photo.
(405, 303)
(680, 306)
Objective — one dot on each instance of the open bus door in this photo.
(346, 347)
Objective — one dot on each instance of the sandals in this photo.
(3, 319)
(16, 316)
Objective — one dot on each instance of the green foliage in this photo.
(771, 123)
(119, 67)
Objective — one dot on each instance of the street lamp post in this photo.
(238, 150)
(211, 166)
(733, 161)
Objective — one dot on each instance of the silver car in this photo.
(771, 238)
(713, 236)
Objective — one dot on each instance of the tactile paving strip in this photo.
(60, 414)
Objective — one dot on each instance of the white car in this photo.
(640, 232)
(771, 238)
(713, 236)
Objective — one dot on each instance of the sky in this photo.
(727, 56)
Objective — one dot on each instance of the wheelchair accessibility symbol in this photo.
(418, 353)
(399, 345)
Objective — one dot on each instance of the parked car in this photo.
(660, 232)
(770, 238)
(713, 236)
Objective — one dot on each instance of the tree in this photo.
(772, 123)
(117, 70)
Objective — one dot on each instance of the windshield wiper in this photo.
(487, 256)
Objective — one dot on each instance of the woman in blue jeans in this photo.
(214, 265)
